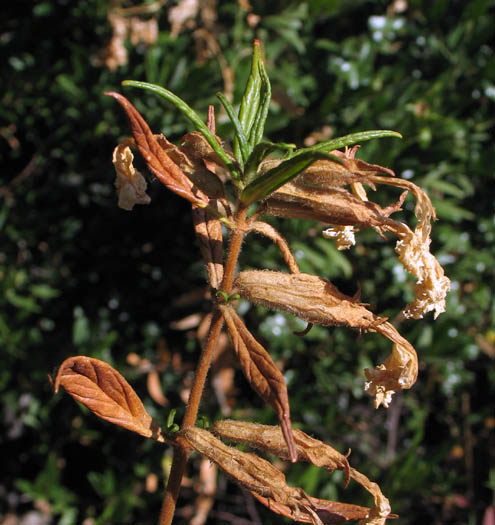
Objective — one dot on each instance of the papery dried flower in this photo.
(316, 194)
(129, 183)
(343, 235)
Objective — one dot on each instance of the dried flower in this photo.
(129, 183)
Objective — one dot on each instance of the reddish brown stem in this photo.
(181, 451)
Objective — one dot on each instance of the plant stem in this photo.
(181, 451)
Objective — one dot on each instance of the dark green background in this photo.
(80, 276)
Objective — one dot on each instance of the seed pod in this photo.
(270, 439)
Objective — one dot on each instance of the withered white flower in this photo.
(343, 235)
(129, 183)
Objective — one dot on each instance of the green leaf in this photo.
(284, 172)
(256, 132)
(251, 98)
(350, 140)
(241, 138)
(259, 153)
(193, 117)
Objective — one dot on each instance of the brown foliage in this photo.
(107, 394)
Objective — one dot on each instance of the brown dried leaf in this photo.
(107, 394)
(262, 373)
(157, 160)
(268, 484)
(332, 205)
(191, 158)
(309, 297)
(250, 471)
(209, 234)
(270, 439)
(327, 511)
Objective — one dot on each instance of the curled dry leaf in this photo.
(260, 477)
(129, 183)
(262, 373)
(309, 297)
(107, 394)
(157, 159)
(326, 511)
(319, 302)
(209, 234)
(270, 439)
(191, 157)
(335, 206)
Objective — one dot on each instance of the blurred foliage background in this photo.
(80, 276)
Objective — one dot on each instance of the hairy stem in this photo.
(181, 451)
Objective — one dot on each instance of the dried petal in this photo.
(262, 373)
(270, 439)
(129, 183)
(398, 372)
(107, 394)
(343, 235)
(413, 249)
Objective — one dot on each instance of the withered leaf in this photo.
(260, 477)
(209, 234)
(331, 205)
(309, 297)
(156, 158)
(263, 374)
(270, 439)
(107, 394)
(328, 512)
